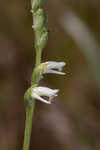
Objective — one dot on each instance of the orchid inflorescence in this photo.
(41, 37)
(43, 94)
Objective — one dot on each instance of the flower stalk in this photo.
(36, 92)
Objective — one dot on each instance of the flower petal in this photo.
(55, 72)
(42, 99)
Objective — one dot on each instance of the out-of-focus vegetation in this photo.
(72, 122)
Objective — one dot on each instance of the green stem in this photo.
(38, 57)
(30, 110)
(28, 127)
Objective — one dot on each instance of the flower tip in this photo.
(61, 73)
(63, 64)
(55, 92)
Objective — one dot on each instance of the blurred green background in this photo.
(72, 121)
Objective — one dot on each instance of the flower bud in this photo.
(39, 19)
(43, 38)
(36, 4)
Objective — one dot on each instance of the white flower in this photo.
(54, 67)
(37, 92)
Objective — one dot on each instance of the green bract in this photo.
(28, 99)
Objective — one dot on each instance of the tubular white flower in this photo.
(54, 67)
(37, 92)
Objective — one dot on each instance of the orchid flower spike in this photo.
(37, 92)
(54, 67)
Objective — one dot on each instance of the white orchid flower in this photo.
(53, 67)
(37, 92)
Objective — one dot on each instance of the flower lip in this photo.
(54, 67)
(39, 92)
